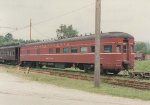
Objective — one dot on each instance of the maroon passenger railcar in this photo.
(10, 54)
(116, 52)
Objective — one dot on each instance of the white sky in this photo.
(131, 16)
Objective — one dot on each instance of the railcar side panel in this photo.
(109, 60)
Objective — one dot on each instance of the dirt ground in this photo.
(16, 91)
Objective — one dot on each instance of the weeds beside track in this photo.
(142, 85)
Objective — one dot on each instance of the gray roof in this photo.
(7, 47)
(116, 35)
(90, 37)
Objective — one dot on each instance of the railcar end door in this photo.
(126, 49)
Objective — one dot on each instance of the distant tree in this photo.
(148, 51)
(148, 48)
(66, 32)
(1, 40)
(9, 40)
(141, 47)
(8, 37)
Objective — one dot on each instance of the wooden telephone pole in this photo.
(30, 29)
(97, 43)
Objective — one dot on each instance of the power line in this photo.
(65, 14)
(51, 19)
(17, 29)
(37, 31)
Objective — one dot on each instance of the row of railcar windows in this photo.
(73, 50)
(7, 53)
(66, 50)
(107, 49)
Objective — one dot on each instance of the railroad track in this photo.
(130, 74)
(140, 75)
(115, 81)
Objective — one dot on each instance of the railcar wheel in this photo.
(80, 66)
(88, 68)
(40, 65)
(103, 71)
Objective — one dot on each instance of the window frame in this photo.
(109, 50)
(51, 51)
(57, 50)
(75, 49)
(83, 50)
(92, 50)
(67, 51)
(117, 49)
(124, 50)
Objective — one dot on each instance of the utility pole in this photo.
(30, 29)
(97, 43)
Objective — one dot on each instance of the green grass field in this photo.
(142, 65)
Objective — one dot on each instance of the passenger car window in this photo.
(84, 49)
(92, 48)
(57, 50)
(107, 48)
(74, 50)
(118, 48)
(124, 48)
(65, 50)
(50, 51)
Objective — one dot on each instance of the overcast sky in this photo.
(131, 16)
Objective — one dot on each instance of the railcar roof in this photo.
(116, 35)
(11, 46)
(91, 37)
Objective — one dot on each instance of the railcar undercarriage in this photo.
(85, 67)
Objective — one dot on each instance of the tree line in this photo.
(142, 47)
(9, 40)
(63, 32)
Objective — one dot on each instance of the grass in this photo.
(87, 86)
(142, 65)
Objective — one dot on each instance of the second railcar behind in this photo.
(10, 54)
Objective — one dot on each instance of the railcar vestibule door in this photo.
(126, 49)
